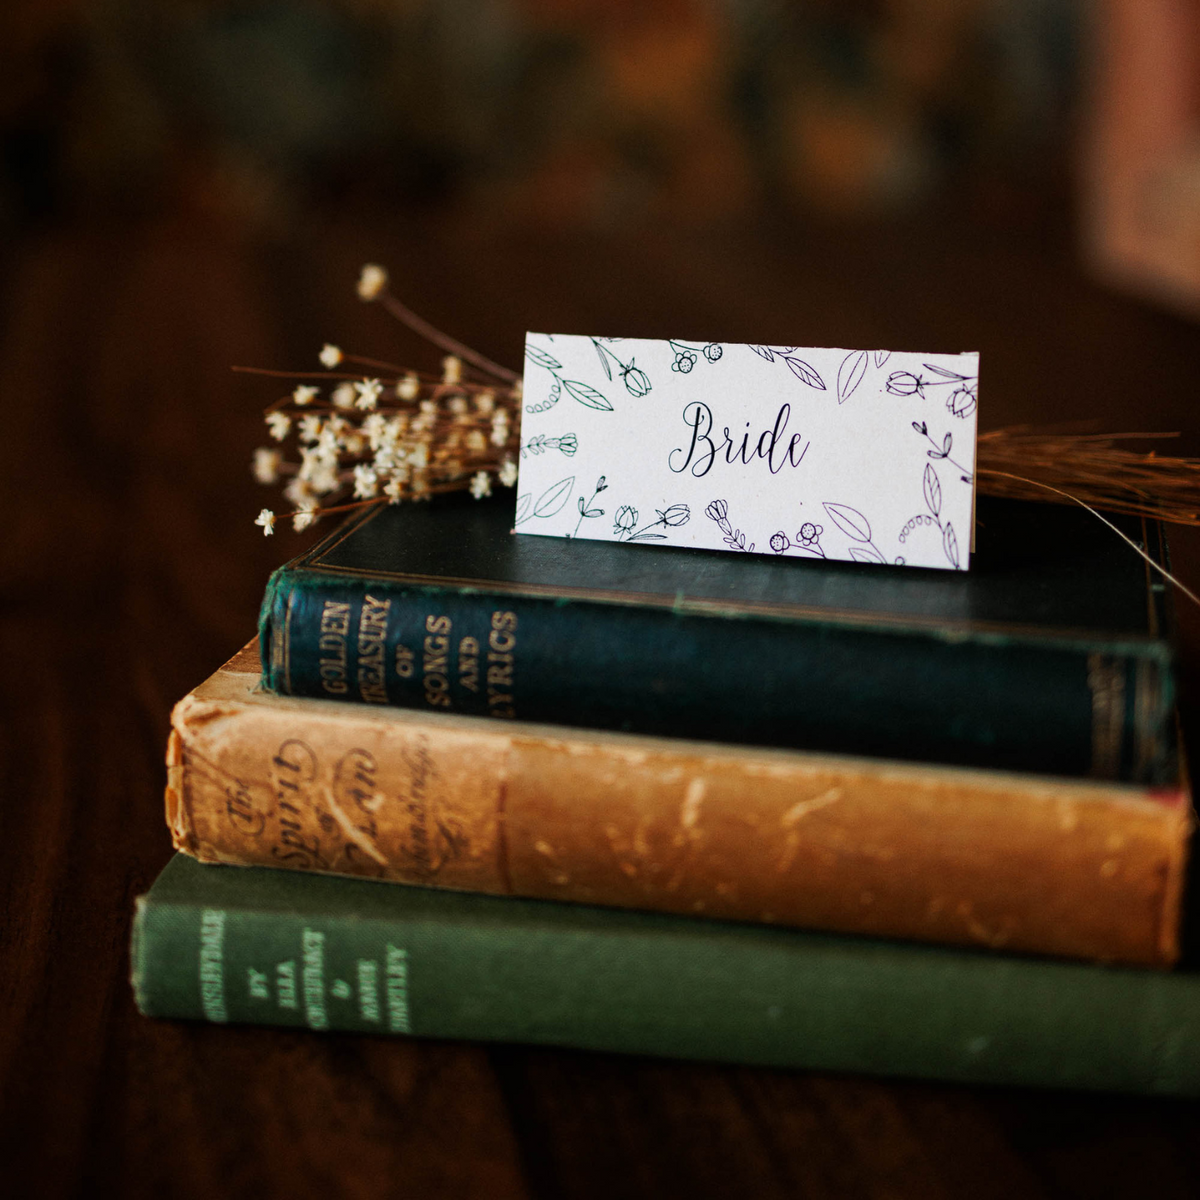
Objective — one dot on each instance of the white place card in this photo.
(860, 455)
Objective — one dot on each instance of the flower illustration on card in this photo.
(587, 508)
(626, 528)
(687, 356)
(735, 539)
(636, 381)
(962, 401)
(808, 541)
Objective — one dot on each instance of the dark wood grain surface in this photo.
(131, 569)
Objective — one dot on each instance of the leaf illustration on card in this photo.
(881, 356)
(933, 490)
(943, 372)
(763, 352)
(866, 554)
(586, 394)
(542, 358)
(850, 374)
(523, 503)
(950, 544)
(551, 501)
(805, 373)
(850, 521)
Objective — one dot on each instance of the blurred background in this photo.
(612, 115)
(600, 114)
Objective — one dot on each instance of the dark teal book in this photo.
(269, 947)
(1050, 655)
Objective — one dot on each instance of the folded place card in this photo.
(862, 455)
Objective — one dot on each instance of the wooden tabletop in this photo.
(131, 569)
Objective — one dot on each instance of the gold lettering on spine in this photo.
(436, 669)
(502, 645)
(468, 664)
(372, 636)
(335, 625)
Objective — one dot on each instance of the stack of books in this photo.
(673, 802)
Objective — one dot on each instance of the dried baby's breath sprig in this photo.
(390, 433)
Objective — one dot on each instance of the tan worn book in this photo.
(858, 845)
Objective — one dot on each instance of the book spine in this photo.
(518, 971)
(965, 857)
(1048, 707)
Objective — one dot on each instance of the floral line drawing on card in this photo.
(932, 488)
(735, 539)
(540, 443)
(577, 390)
(808, 537)
(636, 381)
(585, 506)
(625, 523)
(549, 504)
(802, 370)
(858, 529)
(962, 401)
(686, 356)
(808, 540)
(943, 451)
(850, 374)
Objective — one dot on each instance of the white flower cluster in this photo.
(376, 438)
(373, 440)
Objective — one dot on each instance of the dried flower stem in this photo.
(1089, 469)
(431, 333)
(377, 363)
(1068, 498)
(297, 374)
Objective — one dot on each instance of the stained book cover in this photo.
(1052, 654)
(941, 854)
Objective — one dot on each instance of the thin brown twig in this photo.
(1089, 469)
(431, 333)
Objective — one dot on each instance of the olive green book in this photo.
(269, 947)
